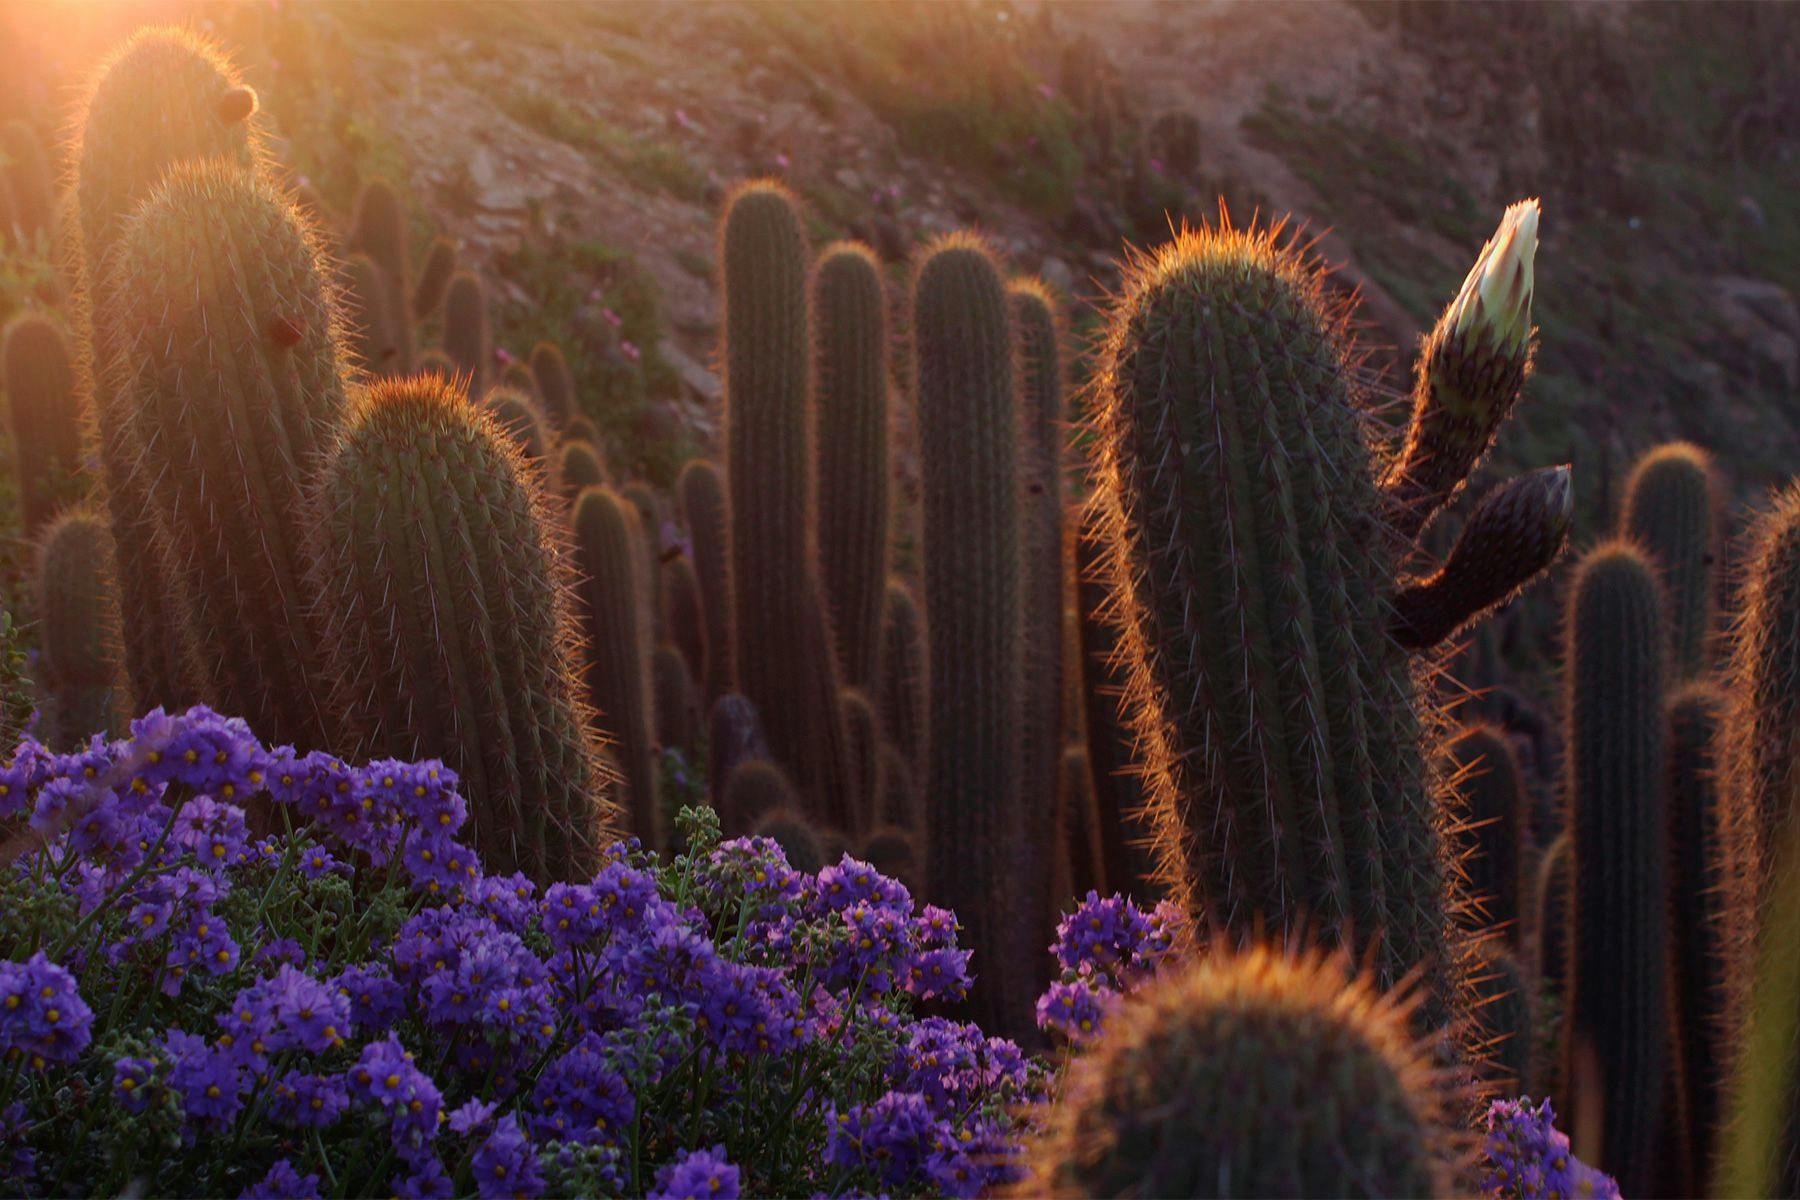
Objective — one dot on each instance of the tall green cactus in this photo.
(1498, 834)
(78, 623)
(608, 544)
(1762, 741)
(1671, 511)
(703, 502)
(555, 385)
(865, 760)
(652, 511)
(165, 96)
(1505, 1018)
(239, 383)
(1707, 936)
(1618, 814)
(379, 231)
(42, 408)
(580, 466)
(901, 675)
(374, 346)
(450, 624)
(1250, 1074)
(785, 660)
(1252, 559)
(434, 278)
(985, 858)
(850, 386)
(466, 339)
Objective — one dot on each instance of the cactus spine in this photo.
(434, 278)
(709, 527)
(1504, 1013)
(555, 386)
(1763, 732)
(1495, 818)
(466, 338)
(1618, 814)
(238, 385)
(78, 621)
(608, 548)
(450, 625)
(41, 405)
(518, 415)
(1671, 512)
(850, 403)
(1252, 1074)
(155, 102)
(984, 859)
(785, 661)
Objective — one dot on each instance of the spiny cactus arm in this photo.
(1671, 510)
(1513, 536)
(555, 385)
(1471, 369)
(379, 230)
(466, 337)
(1763, 733)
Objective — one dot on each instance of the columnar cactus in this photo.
(1762, 749)
(1252, 559)
(984, 858)
(1671, 512)
(850, 387)
(1252, 1074)
(1498, 832)
(894, 852)
(1550, 913)
(78, 622)
(652, 512)
(238, 383)
(165, 96)
(518, 415)
(865, 760)
(374, 345)
(450, 623)
(555, 385)
(1618, 814)
(703, 502)
(733, 735)
(434, 278)
(901, 683)
(608, 549)
(755, 788)
(785, 660)
(1505, 1017)
(798, 838)
(672, 686)
(1083, 854)
(44, 413)
(580, 466)
(466, 338)
(687, 613)
(379, 231)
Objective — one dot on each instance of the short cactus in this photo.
(850, 386)
(756, 787)
(434, 278)
(450, 625)
(555, 385)
(78, 623)
(580, 466)
(466, 338)
(798, 838)
(238, 385)
(374, 346)
(1252, 1074)
(1498, 833)
(677, 714)
(379, 231)
(703, 502)
(41, 405)
(1671, 512)
(1618, 814)
(608, 551)
(893, 852)
(733, 736)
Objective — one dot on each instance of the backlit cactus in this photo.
(165, 96)
(864, 733)
(608, 552)
(236, 387)
(450, 624)
(555, 385)
(1618, 816)
(1504, 1011)
(379, 231)
(579, 466)
(374, 346)
(518, 415)
(78, 623)
(1252, 1074)
(434, 278)
(1497, 830)
(1083, 857)
(894, 852)
(466, 339)
(798, 838)
(785, 660)
(687, 614)
(1671, 513)
(41, 406)
(703, 502)
(1762, 753)
(851, 440)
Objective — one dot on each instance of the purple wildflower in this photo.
(698, 1175)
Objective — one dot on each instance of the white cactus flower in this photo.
(1494, 303)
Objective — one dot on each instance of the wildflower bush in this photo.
(232, 970)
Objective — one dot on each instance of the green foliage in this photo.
(1618, 815)
(1251, 1074)
(44, 413)
(238, 385)
(1671, 513)
(450, 626)
(609, 552)
(78, 623)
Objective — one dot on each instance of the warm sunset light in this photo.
(928, 598)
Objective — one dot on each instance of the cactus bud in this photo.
(236, 104)
(1494, 305)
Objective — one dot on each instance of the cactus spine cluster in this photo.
(1252, 1074)
(785, 660)
(985, 859)
(1618, 806)
(518, 415)
(466, 339)
(703, 502)
(78, 621)
(608, 549)
(237, 384)
(1671, 513)
(851, 438)
(41, 406)
(449, 627)
(1494, 816)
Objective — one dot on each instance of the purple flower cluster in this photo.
(43, 1018)
(1106, 948)
(1525, 1157)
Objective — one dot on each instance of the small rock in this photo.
(703, 383)
(1055, 272)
